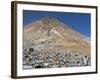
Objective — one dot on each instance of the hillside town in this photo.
(40, 59)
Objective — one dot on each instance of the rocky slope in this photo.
(50, 34)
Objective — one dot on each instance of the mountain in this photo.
(50, 34)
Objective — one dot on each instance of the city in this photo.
(41, 59)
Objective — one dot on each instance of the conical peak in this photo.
(48, 19)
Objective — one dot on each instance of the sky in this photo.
(80, 22)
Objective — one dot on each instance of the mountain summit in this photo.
(50, 34)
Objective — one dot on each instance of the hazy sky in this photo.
(78, 21)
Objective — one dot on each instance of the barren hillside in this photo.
(53, 35)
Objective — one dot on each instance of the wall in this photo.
(5, 43)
